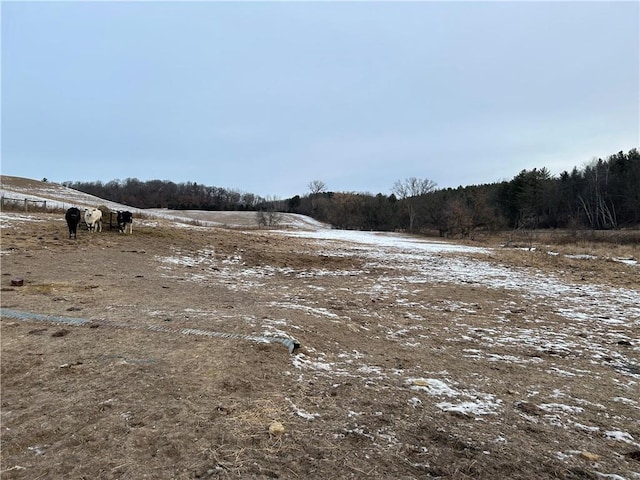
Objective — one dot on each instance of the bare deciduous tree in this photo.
(270, 214)
(317, 186)
(410, 192)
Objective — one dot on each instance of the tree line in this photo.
(167, 194)
(604, 194)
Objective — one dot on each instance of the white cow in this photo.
(93, 219)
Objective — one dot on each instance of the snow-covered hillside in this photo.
(59, 196)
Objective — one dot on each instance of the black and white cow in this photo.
(73, 217)
(125, 220)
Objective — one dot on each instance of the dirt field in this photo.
(496, 363)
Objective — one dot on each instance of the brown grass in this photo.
(96, 401)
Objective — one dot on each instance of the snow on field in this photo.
(233, 218)
(61, 197)
(419, 261)
(590, 312)
(594, 318)
(386, 240)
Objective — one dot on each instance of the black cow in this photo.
(125, 219)
(73, 217)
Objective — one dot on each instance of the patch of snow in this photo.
(559, 407)
(301, 361)
(6, 219)
(302, 413)
(583, 256)
(270, 331)
(478, 407)
(562, 373)
(567, 455)
(585, 428)
(621, 437)
(432, 386)
(318, 312)
(386, 239)
(626, 401)
(37, 449)
(370, 370)
(610, 476)
(627, 261)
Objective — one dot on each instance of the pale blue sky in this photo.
(264, 97)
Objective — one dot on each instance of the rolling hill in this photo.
(58, 196)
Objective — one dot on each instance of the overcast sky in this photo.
(264, 97)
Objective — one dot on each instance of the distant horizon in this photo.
(328, 190)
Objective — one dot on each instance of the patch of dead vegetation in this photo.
(574, 255)
(93, 401)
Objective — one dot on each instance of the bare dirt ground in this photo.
(402, 373)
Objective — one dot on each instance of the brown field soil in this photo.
(127, 396)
